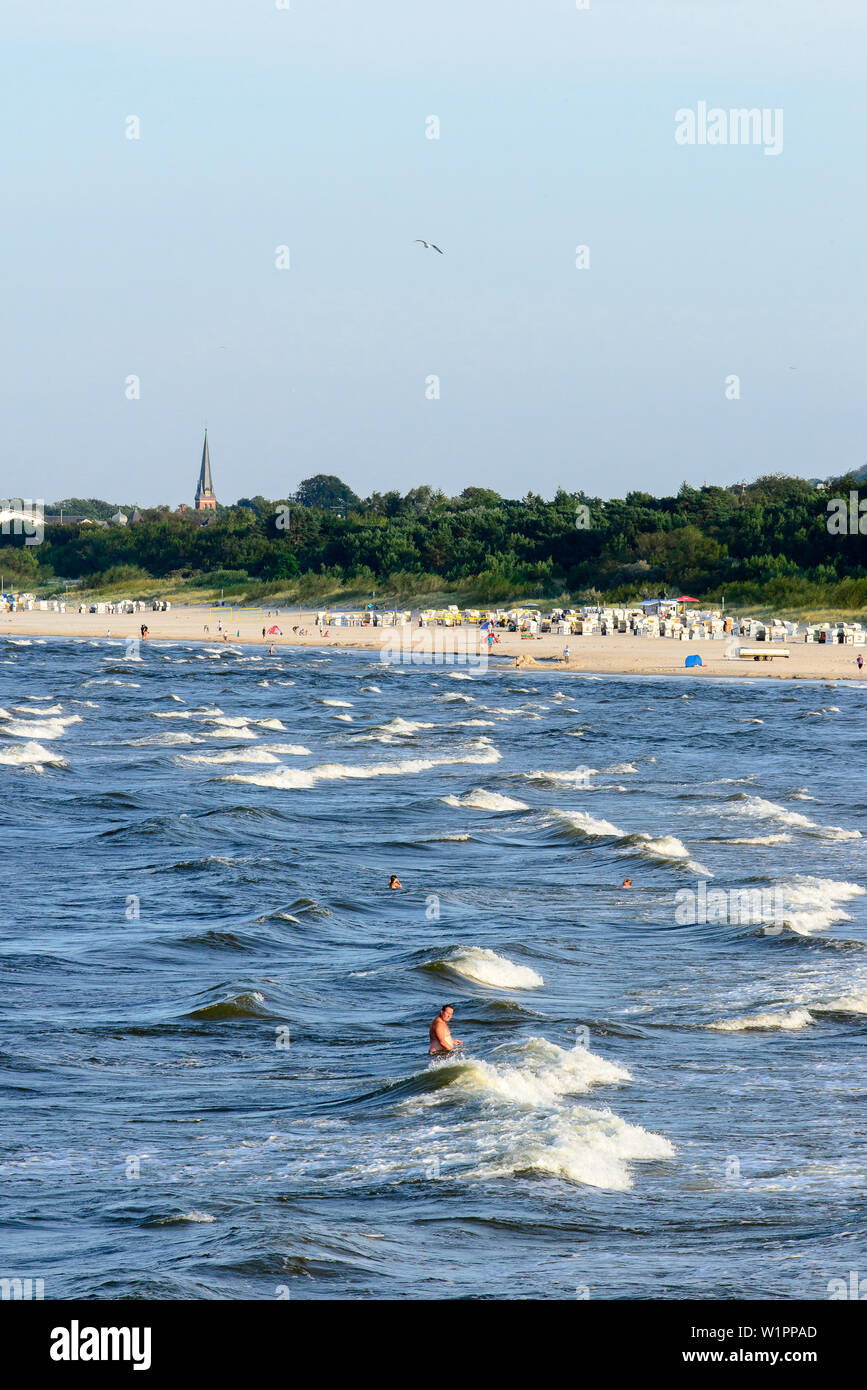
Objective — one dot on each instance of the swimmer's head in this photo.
(394, 881)
(446, 1011)
(627, 883)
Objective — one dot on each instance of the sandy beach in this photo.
(616, 654)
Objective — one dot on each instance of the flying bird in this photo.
(429, 245)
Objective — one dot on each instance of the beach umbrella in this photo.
(685, 598)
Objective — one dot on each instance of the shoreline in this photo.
(617, 654)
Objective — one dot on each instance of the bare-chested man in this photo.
(441, 1040)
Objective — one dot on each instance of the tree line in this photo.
(763, 542)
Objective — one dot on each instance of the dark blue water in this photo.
(214, 1071)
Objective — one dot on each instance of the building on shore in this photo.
(206, 498)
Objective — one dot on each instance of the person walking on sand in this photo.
(441, 1040)
(859, 662)
(565, 653)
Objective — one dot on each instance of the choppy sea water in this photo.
(214, 1071)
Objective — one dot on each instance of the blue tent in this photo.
(693, 661)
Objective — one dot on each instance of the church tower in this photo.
(206, 498)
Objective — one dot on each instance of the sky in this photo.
(713, 332)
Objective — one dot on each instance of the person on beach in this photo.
(394, 882)
(565, 653)
(441, 1040)
(859, 661)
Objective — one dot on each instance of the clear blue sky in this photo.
(262, 127)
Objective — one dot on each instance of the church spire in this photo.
(206, 499)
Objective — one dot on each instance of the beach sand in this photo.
(615, 654)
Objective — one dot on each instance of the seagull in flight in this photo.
(429, 245)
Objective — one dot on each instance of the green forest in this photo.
(760, 545)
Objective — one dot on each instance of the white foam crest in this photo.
(38, 713)
(133, 685)
(296, 750)
(846, 1004)
(667, 847)
(576, 776)
(291, 779)
(620, 769)
(168, 739)
(232, 755)
(585, 824)
(528, 1122)
(29, 755)
(404, 726)
(481, 800)
(42, 728)
(485, 967)
(191, 1217)
(592, 1147)
(341, 704)
(780, 839)
(211, 712)
(535, 1072)
(791, 1021)
(811, 904)
(758, 808)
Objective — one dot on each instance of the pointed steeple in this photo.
(206, 499)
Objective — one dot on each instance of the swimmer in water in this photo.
(394, 882)
(441, 1040)
(627, 883)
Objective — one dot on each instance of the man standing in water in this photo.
(441, 1039)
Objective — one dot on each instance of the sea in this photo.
(215, 1071)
